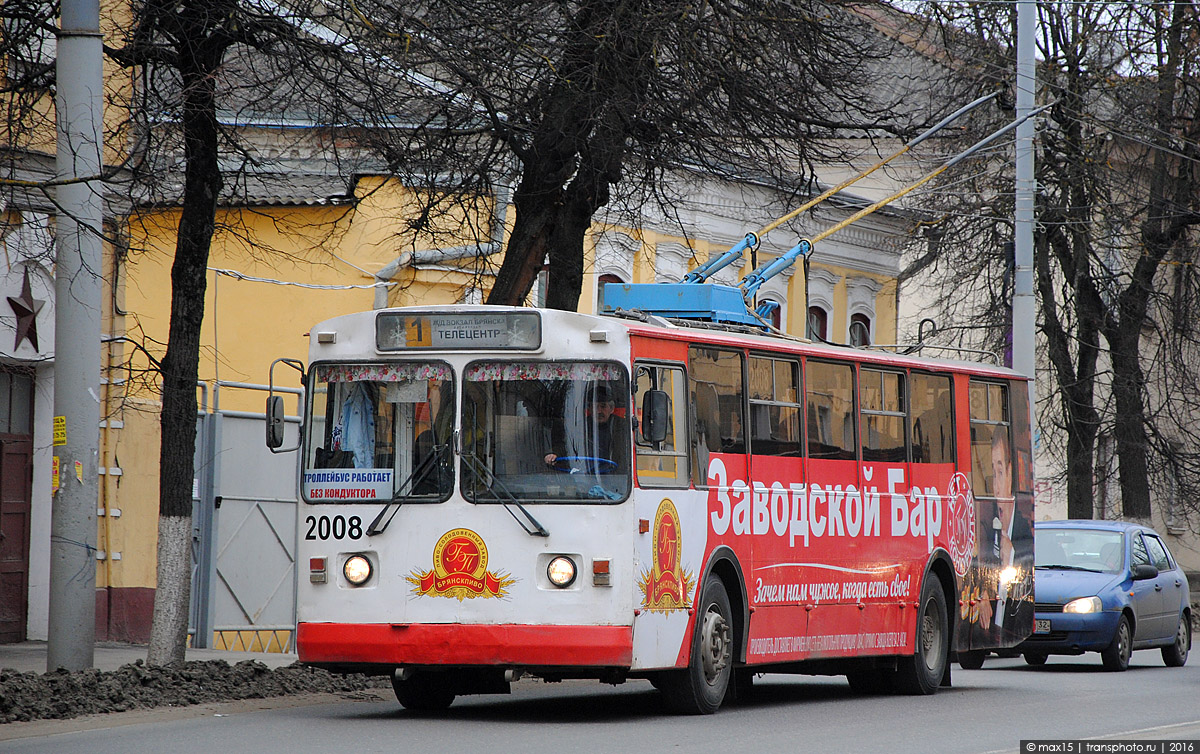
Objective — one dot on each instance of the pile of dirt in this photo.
(63, 694)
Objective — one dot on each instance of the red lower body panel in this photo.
(465, 644)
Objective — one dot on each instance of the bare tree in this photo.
(591, 105)
(200, 60)
(1116, 153)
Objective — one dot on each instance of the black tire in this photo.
(423, 692)
(1036, 659)
(700, 689)
(1116, 655)
(972, 660)
(1175, 656)
(921, 673)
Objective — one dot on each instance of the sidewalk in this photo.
(31, 656)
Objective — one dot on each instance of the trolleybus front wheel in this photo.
(921, 672)
(423, 691)
(701, 688)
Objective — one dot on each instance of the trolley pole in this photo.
(1024, 307)
(77, 294)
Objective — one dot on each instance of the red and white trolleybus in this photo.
(493, 492)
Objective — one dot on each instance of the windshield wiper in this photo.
(482, 473)
(1067, 567)
(428, 464)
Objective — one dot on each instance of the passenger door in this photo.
(1146, 595)
(1168, 585)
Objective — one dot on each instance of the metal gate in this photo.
(244, 535)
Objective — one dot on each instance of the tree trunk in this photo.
(535, 201)
(1130, 423)
(180, 369)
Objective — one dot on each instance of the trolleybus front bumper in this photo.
(458, 644)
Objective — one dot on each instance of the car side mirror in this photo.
(655, 407)
(1143, 571)
(275, 421)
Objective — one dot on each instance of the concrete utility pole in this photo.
(77, 294)
(1024, 307)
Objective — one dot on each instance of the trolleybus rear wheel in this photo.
(423, 691)
(701, 688)
(921, 673)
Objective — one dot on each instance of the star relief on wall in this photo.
(26, 307)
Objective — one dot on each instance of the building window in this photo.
(774, 313)
(16, 402)
(600, 283)
(860, 330)
(818, 323)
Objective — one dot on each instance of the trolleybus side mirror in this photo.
(655, 409)
(275, 421)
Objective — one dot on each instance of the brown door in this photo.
(16, 482)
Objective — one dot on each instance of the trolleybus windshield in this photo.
(379, 431)
(545, 431)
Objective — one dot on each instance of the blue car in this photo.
(1109, 587)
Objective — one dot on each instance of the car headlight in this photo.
(357, 569)
(1083, 605)
(561, 571)
(1008, 576)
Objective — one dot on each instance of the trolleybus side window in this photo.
(664, 463)
(391, 423)
(991, 443)
(715, 386)
(774, 407)
(932, 418)
(830, 410)
(883, 416)
(545, 431)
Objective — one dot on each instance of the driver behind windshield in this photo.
(606, 437)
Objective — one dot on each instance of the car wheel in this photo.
(701, 688)
(423, 692)
(1116, 654)
(1035, 658)
(972, 660)
(921, 673)
(1176, 655)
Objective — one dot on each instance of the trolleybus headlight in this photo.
(357, 570)
(561, 571)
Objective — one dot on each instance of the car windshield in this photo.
(379, 431)
(545, 431)
(1079, 549)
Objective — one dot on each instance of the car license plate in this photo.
(1041, 626)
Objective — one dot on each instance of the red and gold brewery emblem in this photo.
(961, 519)
(665, 585)
(460, 569)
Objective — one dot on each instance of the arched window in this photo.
(776, 317)
(860, 330)
(600, 282)
(818, 323)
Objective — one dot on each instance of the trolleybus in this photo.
(489, 493)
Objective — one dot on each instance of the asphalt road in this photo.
(988, 710)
